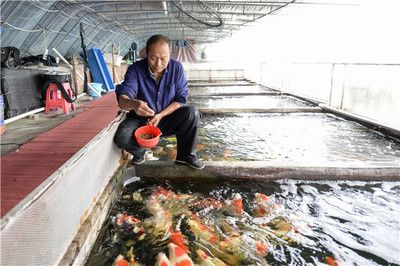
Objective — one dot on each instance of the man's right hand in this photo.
(141, 108)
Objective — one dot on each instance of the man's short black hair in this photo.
(156, 39)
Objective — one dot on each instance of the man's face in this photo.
(158, 57)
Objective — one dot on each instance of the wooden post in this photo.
(89, 75)
(74, 73)
(113, 63)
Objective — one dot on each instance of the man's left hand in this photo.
(155, 120)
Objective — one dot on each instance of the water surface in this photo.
(227, 89)
(247, 102)
(309, 138)
(343, 222)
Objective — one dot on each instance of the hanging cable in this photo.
(208, 18)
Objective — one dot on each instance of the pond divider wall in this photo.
(388, 130)
(270, 171)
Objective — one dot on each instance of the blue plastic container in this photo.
(99, 70)
(95, 89)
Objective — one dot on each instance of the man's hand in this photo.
(141, 108)
(155, 120)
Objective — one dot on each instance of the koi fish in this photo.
(281, 225)
(125, 218)
(227, 153)
(178, 257)
(121, 261)
(201, 230)
(205, 260)
(331, 261)
(200, 147)
(177, 239)
(207, 202)
(261, 204)
(162, 260)
(236, 204)
(129, 223)
(261, 248)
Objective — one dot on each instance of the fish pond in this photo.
(249, 102)
(193, 83)
(298, 138)
(196, 91)
(251, 222)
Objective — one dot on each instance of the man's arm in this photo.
(127, 91)
(140, 107)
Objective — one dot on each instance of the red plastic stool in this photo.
(55, 100)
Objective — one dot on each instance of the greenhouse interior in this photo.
(212, 132)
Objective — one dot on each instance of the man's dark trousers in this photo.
(182, 123)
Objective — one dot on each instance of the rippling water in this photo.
(358, 222)
(245, 102)
(218, 82)
(351, 223)
(305, 138)
(226, 89)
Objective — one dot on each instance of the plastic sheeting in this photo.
(184, 53)
(21, 89)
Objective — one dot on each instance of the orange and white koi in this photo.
(261, 204)
(162, 260)
(236, 204)
(125, 218)
(121, 261)
(178, 257)
(178, 239)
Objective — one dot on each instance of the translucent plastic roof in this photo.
(34, 25)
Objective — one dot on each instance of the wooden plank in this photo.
(113, 63)
(74, 73)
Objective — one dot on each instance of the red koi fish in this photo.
(120, 261)
(177, 239)
(331, 261)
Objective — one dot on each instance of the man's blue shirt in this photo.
(139, 84)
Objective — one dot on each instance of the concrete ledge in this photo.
(386, 129)
(270, 171)
(259, 110)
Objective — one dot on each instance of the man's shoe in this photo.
(138, 160)
(196, 164)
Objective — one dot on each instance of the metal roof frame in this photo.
(32, 25)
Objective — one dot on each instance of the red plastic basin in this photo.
(147, 143)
